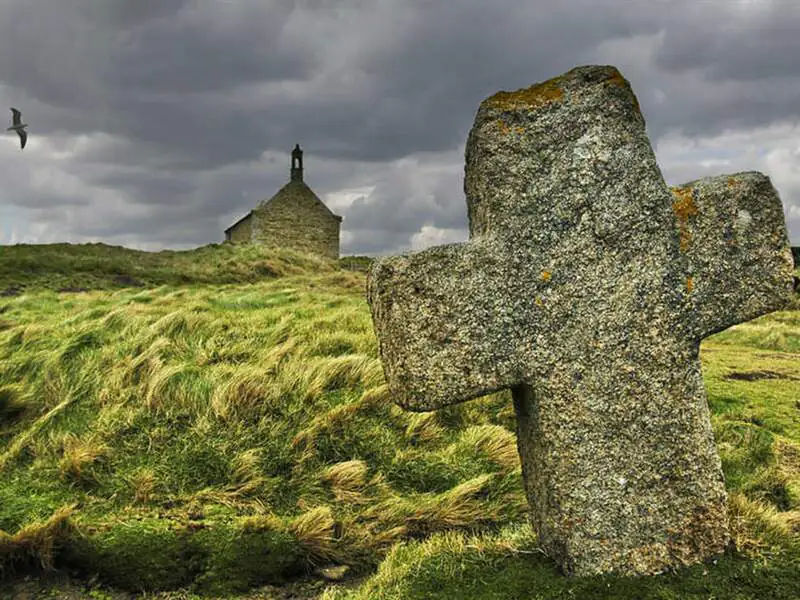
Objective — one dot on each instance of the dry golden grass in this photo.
(246, 474)
(423, 427)
(338, 372)
(458, 507)
(247, 390)
(347, 480)
(314, 531)
(143, 483)
(497, 442)
(264, 522)
(148, 360)
(339, 416)
(38, 541)
(79, 455)
(757, 528)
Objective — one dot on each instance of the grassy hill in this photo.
(216, 422)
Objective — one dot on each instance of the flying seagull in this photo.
(19, 127)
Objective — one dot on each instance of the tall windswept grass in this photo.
(423, 427)
(12, 401)
(245, 392)
(347, 480)
(79, 456)
(219, 419)
(143, 483)
(246, 472)
(314, 531)
(498, 443)
(36, 543)
(758, 529)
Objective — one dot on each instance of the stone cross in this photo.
(586, 288)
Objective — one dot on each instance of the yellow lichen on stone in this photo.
(538, 301)
(546, 275)
(684, 207)
(732, 181)
(689, 284)
(618, 80)
(506, 129)
(537, 95)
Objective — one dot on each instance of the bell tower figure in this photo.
(297, 164)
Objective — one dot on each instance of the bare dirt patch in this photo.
(756, 375)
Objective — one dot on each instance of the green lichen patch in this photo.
(149, 553)
(141, 555)
(251, 553)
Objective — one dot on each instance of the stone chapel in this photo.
(293, 218)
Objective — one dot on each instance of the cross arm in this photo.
(438, 319)
(733, 237)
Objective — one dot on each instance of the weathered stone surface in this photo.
(586, 287)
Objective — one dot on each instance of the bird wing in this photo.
(23, 138)
(17, 116)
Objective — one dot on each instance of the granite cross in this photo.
(586, 288)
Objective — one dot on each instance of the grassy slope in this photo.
(226, 425)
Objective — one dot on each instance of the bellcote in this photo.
(297, 164)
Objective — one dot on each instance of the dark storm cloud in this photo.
(126, 13)
(147, 75)
(51, 55)
(141, 72)
(411, 201)
(735, 68)
(436, 64)
(219, 50)
(755, 41)
(147, 113)
(147, 187)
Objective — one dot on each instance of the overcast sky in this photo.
(158, 123)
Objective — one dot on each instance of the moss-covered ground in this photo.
(216, 422)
